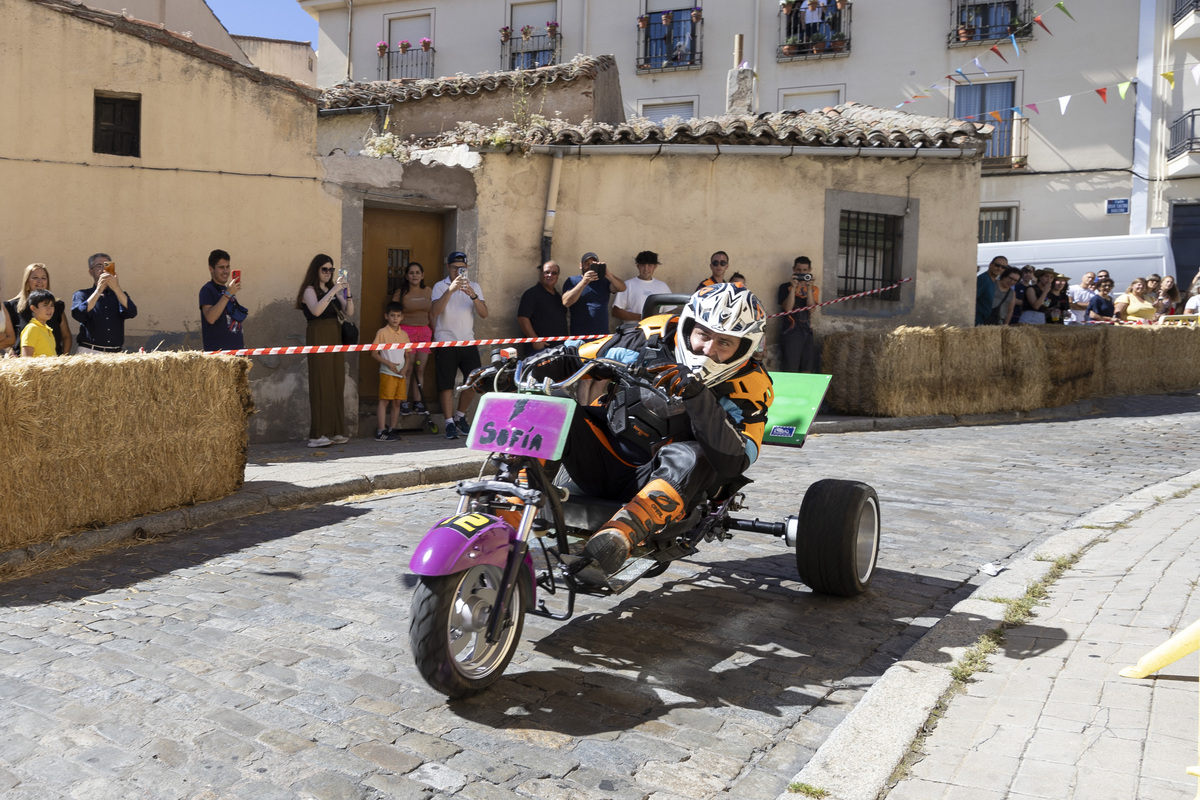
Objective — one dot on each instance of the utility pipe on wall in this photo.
(551, 204)
(349, 39)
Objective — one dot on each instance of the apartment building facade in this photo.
(1092, 139)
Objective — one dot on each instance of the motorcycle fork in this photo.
(517, 548)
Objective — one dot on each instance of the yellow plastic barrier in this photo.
(1181, 644)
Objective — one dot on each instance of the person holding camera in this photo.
(457, 300)
(588, 295)
(101, 311)
(799, 350)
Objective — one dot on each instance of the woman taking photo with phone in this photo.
(321, 297)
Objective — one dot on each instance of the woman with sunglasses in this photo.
(1100, 307)
(321, 297)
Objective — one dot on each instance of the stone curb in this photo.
(256, 498)
(857, 760)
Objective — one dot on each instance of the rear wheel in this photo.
(838, 542)
(448, 629)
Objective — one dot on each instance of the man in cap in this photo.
(456, 302)
(627, 306)
(588, 295)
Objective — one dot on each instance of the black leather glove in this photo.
(676, 380)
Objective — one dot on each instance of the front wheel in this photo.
(838, 542)
(448, 629)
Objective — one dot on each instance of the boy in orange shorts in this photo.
(392, 387)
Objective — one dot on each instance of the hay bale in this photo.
(97, 440)
(852, 360)
(1143, 359)
(1072, 362)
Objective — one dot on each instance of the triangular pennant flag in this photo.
(1103, 92)
(920, 97)
(963, 75)
(980, 67)
(1170, 76)
(1016, 111)
(1014, 41)
(1038, 20)
(1196, 74)
(1062, 104)
(996, 49)
(1123, 87)
(1034, 107)
(996, 116)
(1061, 6)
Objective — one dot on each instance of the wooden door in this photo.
(392, 240)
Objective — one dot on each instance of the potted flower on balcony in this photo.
(526, 32)
(403, 45)
(552, 29)
(426, 44)
(505, 33)
(697, 14)
(837, 42)
(644, 21)
(818, 42)
(668, 18)
(792, 46)
(382, 47)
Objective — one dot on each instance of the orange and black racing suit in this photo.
(659, 457)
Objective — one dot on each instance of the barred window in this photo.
(869, 253)
(995, 224)
(397, 269)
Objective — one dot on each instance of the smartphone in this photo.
(462, 272)
(344, 274)
(237, 276)
(601, 270)
(110, 267)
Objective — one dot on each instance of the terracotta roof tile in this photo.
(846, 125)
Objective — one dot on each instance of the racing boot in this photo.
(651, 508)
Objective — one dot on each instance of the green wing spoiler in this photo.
(798, 395)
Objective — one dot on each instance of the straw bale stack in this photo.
(919, 371)
(96, 440)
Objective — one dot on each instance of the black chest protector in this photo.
(637, 417)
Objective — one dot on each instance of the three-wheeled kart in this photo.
(520, 528)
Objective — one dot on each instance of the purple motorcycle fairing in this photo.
(464, 541)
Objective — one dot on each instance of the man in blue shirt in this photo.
(220, 315)
(985, 289)
(101, 311)
(588, 295)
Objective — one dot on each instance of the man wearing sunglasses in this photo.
(719, 262)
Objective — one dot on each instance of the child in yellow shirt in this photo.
(37, 339)
(392, 386)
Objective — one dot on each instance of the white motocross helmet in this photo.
(723, 308)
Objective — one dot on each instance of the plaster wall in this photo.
(226, 162)
(294, 60)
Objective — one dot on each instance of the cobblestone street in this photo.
(268, 657)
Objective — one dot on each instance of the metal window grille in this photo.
(1183, 8)
(995, 225)
(542, 50)
(417, 63)
(117, 126)
(397, 269)
(868, 253)
(990, 21)
(1185, 136)
(678, 45)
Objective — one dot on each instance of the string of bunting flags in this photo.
(1063, 101)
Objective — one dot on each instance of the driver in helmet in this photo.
(658, 457)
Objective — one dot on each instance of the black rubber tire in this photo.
(450, 647)
(838, 543)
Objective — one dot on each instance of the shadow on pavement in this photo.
(129, 566)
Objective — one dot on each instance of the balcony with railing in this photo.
(806, 33)
(1008, 149)
(1183, 149)
(522, 52)
(1186, 19)
(670, 41)
(413, 63)
(974, 23)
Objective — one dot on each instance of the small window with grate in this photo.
(996, 224)
(117, 125)
(397, 270)
(869, 253)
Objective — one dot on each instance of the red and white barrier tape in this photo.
(363, 348)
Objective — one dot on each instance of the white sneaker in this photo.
(322, 442)
(339, 439)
